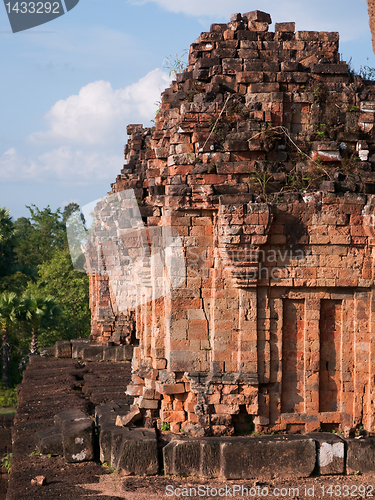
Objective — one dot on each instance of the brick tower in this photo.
(261, 160)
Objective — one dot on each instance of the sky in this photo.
(68, 88)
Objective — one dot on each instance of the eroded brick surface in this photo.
(371, 12)
(261, 160)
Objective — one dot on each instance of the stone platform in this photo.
(52, 386)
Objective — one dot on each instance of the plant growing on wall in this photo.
(176, 64)
(367, 73)
(7, 462)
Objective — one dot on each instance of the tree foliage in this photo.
(37, 311)
(6, 242)
(38, 237)
(35, 264)
(57, 278)
(9, 314)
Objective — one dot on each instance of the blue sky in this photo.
(68, 88)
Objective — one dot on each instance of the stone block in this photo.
(137, 453)
(218, 28)
(48, 352)
(257, 15)
(249, 77)
(235, 17)
(248, 53)
(77, 347)
(78, 442)
(334, 69)
(286, 456)
(49, 441)
(105, 443)
(61, 420)
(285, 27)
(107, 413)
(360, 455)
(182, 458)
(289, 66)
(170, 388)
(177, 190)
(63, 349)
(109, 353)
(330, 453)
(124, 352)
(92, 353)
(210, 458)
(241, 457)
(149, 404)
(324, 155)
(128, 419)
(134, 390)
(328, 186)
(257, 26)
(247, 35)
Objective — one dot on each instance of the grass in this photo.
(7, 462)
(165, 427)
(10, 410)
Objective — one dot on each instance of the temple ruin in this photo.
(371, 13)
(262, 162)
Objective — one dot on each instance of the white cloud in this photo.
(99, 114)
(12, 166)
(65, 164)
(336, 15)
(86, 133)
(75, 166)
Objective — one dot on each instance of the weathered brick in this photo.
(225, 318)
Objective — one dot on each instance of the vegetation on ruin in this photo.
(332, 118)
(367, 73)
(176, 64)
(6, 462)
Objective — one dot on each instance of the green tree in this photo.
(68, 210)
(38, 311)
(6, 242)
(58, 279)
(38, 237)
(9, 314)
(13, 277)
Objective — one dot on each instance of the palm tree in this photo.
(6, 225)
(35, 310)
(9, 314)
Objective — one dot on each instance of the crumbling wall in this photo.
(371, 13)
(261, 160)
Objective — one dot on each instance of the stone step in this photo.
(241, 457)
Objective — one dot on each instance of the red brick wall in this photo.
(261, 160)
